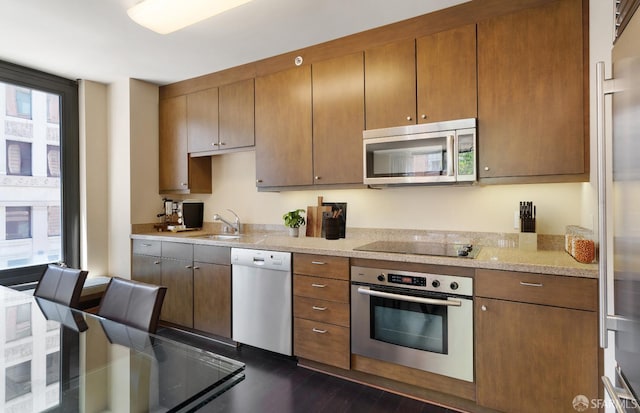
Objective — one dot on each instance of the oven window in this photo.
(406, 324)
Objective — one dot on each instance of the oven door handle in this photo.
(449, 301)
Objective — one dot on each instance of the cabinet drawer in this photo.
(321, 310)
(146, 247)
(321, 265)
(569, 292)
(321, 288)
(212, 254)
(321, 342)
(177, 250)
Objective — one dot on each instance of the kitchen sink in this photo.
(221, 237)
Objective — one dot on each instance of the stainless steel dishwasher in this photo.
(261, 293)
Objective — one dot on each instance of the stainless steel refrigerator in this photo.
(619, 199)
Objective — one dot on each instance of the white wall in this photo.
(119, 176)
(94, 181)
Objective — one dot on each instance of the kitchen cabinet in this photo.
(433, 77)
(212, 290)
(178, 172)
(283, 128)
(536, 341)
(321, 309)
(446, 75)
(531, 100)
(177, 276)
(338, 119)
(202, 121)
(146, 261)
(390, 85)
(236, 115)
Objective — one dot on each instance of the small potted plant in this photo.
(293, 220)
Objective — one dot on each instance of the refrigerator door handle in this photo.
(622, 398)
(603, 87)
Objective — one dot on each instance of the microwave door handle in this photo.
(420, 300)
(450, 156)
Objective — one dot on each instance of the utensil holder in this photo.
(527, 225)
(332, 228)
(528, 241)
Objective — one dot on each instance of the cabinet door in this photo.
(179, 173)
(534, 358)
(390, 85)
(212, 298)
(173, 144)
(446, 75)
(283, 128)
(338, 120)
(237, 115)
(202, 121)
(530, 93)
(146, 268)
(177, 276)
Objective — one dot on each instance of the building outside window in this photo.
(53, 161)
(18, 158)
(18, 102)
(18, 222)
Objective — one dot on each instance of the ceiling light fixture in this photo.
(166, 16)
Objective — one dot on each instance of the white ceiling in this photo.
(96, 40)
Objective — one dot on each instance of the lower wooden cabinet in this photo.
(177, 276)
(534, 357)
(212, 298)
(321, 342)
(321, 320)
(146, 269)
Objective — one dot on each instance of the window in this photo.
(53, 368)
(53, 161)
(18, 380)
(53, 219)
(18, 322)
(53, 108)
(39, 196)
(18, 101)
(18, 222)
(18, 158)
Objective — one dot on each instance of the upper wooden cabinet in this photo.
(236, 115)
(283, 128)
(178, 172)
(446, 75)
(390, 85)
(202, 120)
(338, 120)
(531, 103)
(433, 77)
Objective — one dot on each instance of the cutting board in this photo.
(314, 218)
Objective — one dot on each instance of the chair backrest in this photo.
(62, 285)
(133, 303)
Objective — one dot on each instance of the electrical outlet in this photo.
(516, 219)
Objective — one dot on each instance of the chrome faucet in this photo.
(236, 226)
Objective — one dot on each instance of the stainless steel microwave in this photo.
(441, 152)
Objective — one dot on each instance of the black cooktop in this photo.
(422, 248)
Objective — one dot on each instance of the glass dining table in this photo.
(56, 359)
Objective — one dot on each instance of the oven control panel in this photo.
(450, 284)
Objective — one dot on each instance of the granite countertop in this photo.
(555, 262)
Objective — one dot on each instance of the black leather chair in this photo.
(61, 285)
(133, 303)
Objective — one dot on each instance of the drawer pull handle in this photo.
(156, 262)
(146, 245)
(319, 285)
(315, 330)
(319, 308)
(196, 268)
(188, 267)
(530, 284)
(318, 262)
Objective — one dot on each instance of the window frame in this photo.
(67, 89)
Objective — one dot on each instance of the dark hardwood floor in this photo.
(275, 384)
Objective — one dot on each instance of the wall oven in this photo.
(419, 320)
(441, 152)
